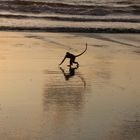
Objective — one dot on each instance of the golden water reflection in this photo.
(60, 93)
(40, 101)
(127, 130)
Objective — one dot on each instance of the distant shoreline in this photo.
(70, 29)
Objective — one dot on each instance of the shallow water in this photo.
(99, 100)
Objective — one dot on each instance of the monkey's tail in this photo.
(83, 51)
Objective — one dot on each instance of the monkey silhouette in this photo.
(72, 57)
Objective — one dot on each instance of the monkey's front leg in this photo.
(63, 60)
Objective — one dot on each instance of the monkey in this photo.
(72, 57)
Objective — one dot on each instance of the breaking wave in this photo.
(70, 15)
(120, 7)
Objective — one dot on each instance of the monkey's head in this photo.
(67, 54)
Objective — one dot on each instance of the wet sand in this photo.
(41, 101)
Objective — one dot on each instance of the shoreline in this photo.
(74, 18)
(70, 29)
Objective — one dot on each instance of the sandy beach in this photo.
(41, 101)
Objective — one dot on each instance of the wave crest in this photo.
(67, 8)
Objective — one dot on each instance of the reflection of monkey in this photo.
(72, 57)
(70, 74)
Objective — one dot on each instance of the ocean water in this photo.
(70, 15)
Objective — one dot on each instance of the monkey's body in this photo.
(72, 57)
